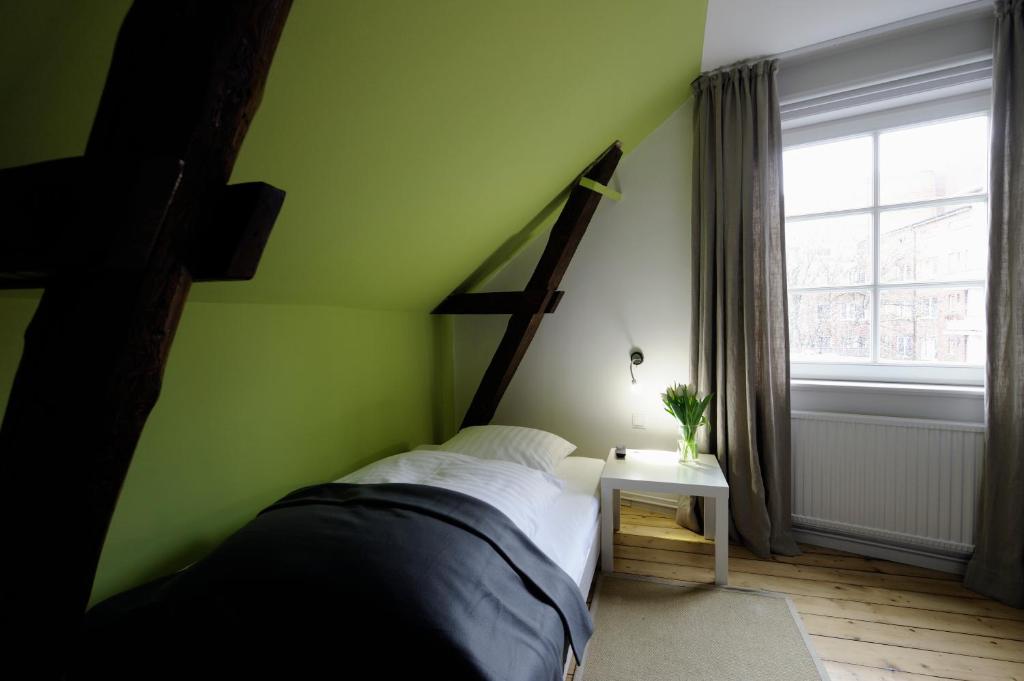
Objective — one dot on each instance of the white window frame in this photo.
(875, 123)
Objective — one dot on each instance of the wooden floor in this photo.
(869, 620)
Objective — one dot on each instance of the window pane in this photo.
(829, 251)
(937, 325)
(828, 176)
(830, 326)
(938, 243)
(933, 161)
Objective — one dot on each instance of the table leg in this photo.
(607, 527)
(709, 517)
(722, 541)
(617, 507)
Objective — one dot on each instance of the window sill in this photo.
(879, 388)
(951, 403)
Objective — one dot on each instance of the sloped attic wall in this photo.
(413, 139)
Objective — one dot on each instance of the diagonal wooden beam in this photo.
(522, 326)
(184, 84)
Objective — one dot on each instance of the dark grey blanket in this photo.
(347, 581)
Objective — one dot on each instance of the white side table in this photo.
(656, 471)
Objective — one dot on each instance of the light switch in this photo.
(640, 421)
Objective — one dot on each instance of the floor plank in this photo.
(668, 541)
(913, 661)
(915, 637)
(820, 574)
(910, 617)
(868, 619)
(842, 671)
(808, 587)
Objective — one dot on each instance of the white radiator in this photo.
(909, 484)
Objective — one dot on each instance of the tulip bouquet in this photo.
(688, 408)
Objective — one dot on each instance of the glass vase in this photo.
(687, 445)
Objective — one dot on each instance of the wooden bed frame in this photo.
(116, 237)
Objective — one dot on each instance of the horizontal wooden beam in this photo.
(52, 211)
(229, 245)
(505, 302)
(40, 203)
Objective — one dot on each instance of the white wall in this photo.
(628, 285)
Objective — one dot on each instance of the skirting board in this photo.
(873, 548)
(833, 538)
(663, 500)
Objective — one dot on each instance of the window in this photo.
(927, 307)
(886, 245)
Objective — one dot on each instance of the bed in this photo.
(475, 566)
(571, 535)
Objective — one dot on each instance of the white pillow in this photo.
(527, 446)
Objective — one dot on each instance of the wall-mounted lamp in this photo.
(636, 358)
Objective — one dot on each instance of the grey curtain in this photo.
(740, 345)
(997, 567)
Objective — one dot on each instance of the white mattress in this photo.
(570, 522)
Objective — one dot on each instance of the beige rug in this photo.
(649, 630)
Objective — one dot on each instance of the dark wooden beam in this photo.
(47, 205)
(184, 84)
(238, 227)
(565, 236)
(505, 302)
(39, 224)
(49, 230)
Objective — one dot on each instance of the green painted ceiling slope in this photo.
(414, 138)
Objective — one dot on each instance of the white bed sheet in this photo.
(570, 522)
(562, 523)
